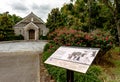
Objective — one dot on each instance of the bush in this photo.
(18, 37)
(70, 37)
(12, 37)
(92, 75)
(42, 37)
(1, 37)
(96, 39)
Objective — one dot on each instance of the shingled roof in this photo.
(30, 18)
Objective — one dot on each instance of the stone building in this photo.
(31, 27)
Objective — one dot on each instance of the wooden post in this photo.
(70, 76)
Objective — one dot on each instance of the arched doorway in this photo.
(31, 34)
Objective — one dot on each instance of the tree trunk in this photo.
(117, 2)
(118, 29)
(90, 10)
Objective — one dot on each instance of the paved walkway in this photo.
(19, 61)
(22, 46)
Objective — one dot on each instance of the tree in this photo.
(6, 23)
(114, 6)
(54, 19)
(76, 15)
(15, 19)
(5, 26)
(111, 19)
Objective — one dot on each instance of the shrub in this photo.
(92, 75)
(42, 37)
(11, 37)
(1, 37)
(18, 37)
(70, 37)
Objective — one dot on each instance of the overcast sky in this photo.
(23, 7)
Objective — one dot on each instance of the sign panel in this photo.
(73, 58)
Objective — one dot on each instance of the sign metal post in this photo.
(77, 59)
(70, 76)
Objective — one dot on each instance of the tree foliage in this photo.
(54, 19)
(6, 23)
(88, 15)
(114, 6)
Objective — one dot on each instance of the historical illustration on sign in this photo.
(74, 58)
(83, 56)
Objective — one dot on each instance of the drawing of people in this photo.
(84, 57)
(69, 56)
(87, 57)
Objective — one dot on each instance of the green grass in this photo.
(117, 49)
(112, 74)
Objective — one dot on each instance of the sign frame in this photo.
(59, 58)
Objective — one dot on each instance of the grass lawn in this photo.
(112, 73)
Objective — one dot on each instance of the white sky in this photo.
(23, 7)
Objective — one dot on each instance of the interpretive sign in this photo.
(73, 58)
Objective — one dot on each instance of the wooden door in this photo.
(31, 34)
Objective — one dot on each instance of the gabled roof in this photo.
(27, 19)
(31, 26)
